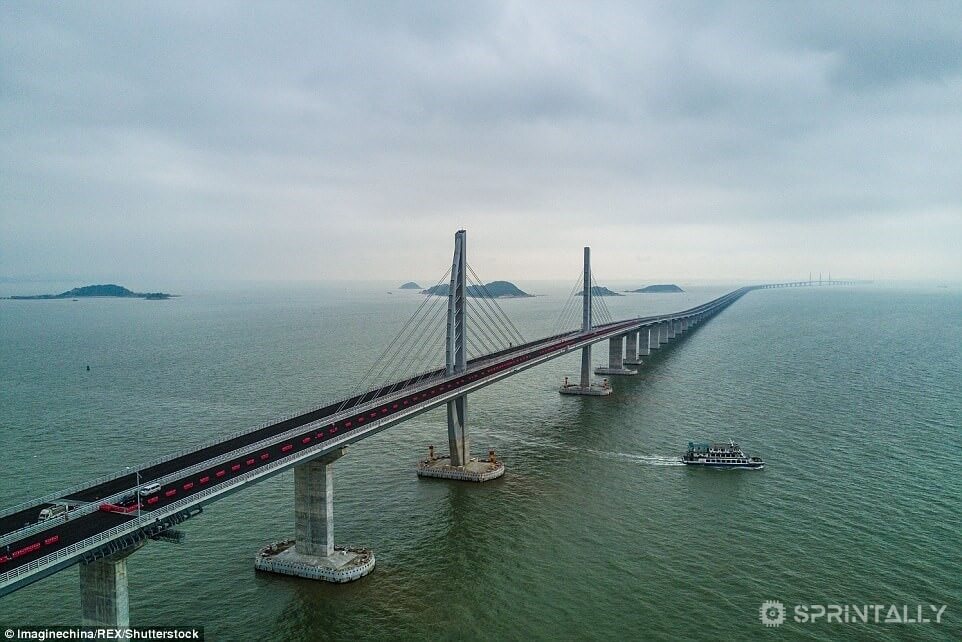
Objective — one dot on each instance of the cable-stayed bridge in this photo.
(99, 523)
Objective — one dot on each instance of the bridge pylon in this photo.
(458, 464)
(585, 386)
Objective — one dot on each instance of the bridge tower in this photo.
(456, 351)
(585, 387)
(458, 464)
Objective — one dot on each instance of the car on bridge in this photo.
(58, 510)
(150, 489)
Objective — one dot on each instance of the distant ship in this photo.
(719, 456)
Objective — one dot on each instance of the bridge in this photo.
(100, 523)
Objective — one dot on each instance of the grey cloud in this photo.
(214, 136)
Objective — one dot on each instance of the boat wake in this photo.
(651, 460)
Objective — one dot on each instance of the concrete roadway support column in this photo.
(653, 342)
(663, 333)
(678, 329)
(632, 350)
(616, 351)
(631, 346)
(616, 365)
(104, 596)
(312, 553)
(314, 506)
(644, 346)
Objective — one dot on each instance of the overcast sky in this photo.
(145, 141)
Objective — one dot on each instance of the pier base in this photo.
(591, 390)
(473, 471)
(343, 565)
(616, 371)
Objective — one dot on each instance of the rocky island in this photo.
(108, 290)
(410, 285)
(495, 289)
(651, 289)
(600, 290)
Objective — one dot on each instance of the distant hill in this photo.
(496, 289)
(600, 290)
(109, 289)
(410, 285)
(658, 288)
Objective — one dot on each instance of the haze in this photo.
(145, 142)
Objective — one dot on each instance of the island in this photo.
(651, 289)
(600, 290)
(410, 285)
(108, 290)
(495, 289)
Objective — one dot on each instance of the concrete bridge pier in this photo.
(634, 349)
(631, 346)
(104, 593)
(616, 362)
(644, 346)
(662, 333)
(653, 342)
(312, 553)
(670, 329)
(679, 328)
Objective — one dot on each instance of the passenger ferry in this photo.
(719, 456)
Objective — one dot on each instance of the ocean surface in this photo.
(852, 395)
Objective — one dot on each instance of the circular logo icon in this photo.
(772, 613)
